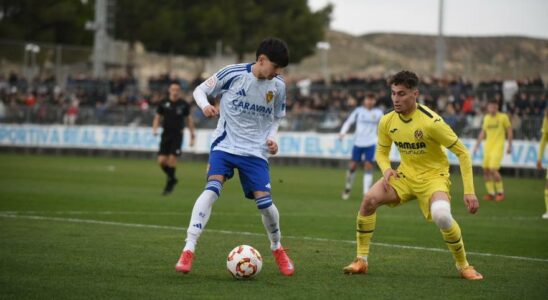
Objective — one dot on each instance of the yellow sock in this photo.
(499, 187)
(490, 186)
(453, 240)
(546, 199)
(365, 225)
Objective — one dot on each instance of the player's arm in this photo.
(465, 163)
(156, 120)
(191, 128)
(443, 134)
(542, 146)
(509, 135)
(279, 113)
(480, 138)
(271, 139)
(200, 96)
(349, 121)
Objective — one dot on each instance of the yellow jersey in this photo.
(495, 130)
(421, 139)
(544, 138)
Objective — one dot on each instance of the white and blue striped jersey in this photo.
(367, 121)
(248, 108)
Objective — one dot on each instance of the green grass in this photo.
(68, 231)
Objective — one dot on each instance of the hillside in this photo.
(473, 57)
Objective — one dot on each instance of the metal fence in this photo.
(527, 127)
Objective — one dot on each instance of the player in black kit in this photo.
(175, 112)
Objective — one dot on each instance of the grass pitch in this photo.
(74, 227)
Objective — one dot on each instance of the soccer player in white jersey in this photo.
(252, 104)
(366, 118)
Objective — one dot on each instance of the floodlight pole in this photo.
(440, 43)
(99, 43)
(324, 47)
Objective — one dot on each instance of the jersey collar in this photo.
(408, 118)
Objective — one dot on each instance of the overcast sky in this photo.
(462, 17)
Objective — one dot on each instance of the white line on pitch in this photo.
(287, 214)
(135, 225)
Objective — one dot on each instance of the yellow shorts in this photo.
(422, 189)
(492, 158)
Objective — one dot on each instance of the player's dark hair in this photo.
(407, 78)
(494, 101)
(370, 96)
(275, 49)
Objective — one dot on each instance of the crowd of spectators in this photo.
(311, 104)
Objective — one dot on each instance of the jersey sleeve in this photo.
(280, 102)
(349, 121)
(465, 164)
(220, 81)
(160, 109)
(543, 139)
(384, 143)
(443, 134)
(484, 123)
(186, 112)
(505, 121)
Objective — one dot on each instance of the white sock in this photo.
(367, 181)
(198, 220)
(271, 222)
(349, 179)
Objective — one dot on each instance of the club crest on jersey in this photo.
(269, 96)
(418, 134)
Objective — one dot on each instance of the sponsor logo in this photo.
(201, 214)
(197, 225)
(268, 185)
(211, 82)
(249, 107)
(408, 145)
(393, 130)
(437, 120)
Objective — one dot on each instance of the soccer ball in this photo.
(244, 262)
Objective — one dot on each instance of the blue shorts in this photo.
(363, 153)
(253, 171)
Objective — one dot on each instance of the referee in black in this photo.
(175, 112)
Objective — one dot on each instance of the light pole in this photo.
(99, 26)
(440, 43)
(30, 68)
(324, 47)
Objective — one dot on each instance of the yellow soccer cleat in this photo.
(358, 266)
(470, 273)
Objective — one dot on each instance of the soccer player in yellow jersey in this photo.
(543, 140)
(421, 136)
(495, 126)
